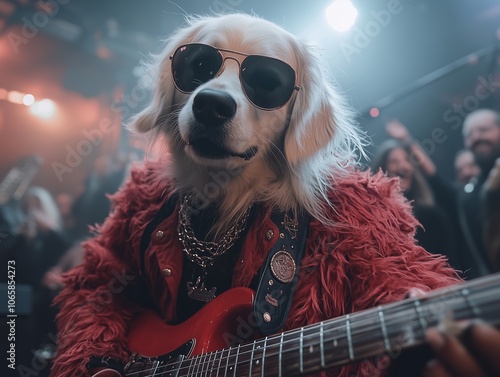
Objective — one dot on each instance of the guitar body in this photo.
(224, 322)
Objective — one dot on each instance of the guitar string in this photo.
(270, 354)
(365, 329)
(228, 356)
(215, 369)
(203, 364)
(481, 286)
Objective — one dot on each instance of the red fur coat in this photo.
(368, 258)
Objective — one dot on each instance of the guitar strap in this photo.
(280, 272)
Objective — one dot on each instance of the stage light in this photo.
(43, 109)
(341, 15)
(15, 97)
(374, 112)
(28, 99)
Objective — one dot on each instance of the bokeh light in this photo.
(341, 15)
(44, 109)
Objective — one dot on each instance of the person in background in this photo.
(492, 216)
(466, 170)
(93, 206)
(446, 196)
(64, 202)
(38, 247)
(436, 234)
(480, 208)
(88, 210)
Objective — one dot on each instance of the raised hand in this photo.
(397, 130)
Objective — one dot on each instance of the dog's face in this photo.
(238, 90)
(250, 60)
(216, 120)
(219, 120)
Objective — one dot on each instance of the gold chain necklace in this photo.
(204, 253)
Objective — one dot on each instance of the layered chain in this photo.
(204, 253)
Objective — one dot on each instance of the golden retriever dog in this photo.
(250, 122)
(250, 117)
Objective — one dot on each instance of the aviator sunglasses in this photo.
(267, 82)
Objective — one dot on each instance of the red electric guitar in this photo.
(207, 343)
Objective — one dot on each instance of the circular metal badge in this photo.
(283, 266)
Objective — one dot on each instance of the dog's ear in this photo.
(317, 113)
(159, 74)
(160, 77)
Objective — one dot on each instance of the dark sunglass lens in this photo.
(268, 82)
(195, 64)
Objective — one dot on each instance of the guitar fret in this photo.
(190, 366)
(336, 345)
(199, 365)
(236, 361)
(163, 369)
(280, 355)
(227, 361)
(154, 368)
(387, 343)
(212, 363)
(220, 360)
(349, 337)
(211, 366)
(203, 364)
(263, 357)
(301, 350)
(475, 310)
(418, 309)
(251, 360)
(196, 365)
(321, 345)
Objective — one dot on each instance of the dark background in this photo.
(86, 57)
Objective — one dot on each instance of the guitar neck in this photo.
(385, 330)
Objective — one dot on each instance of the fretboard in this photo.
(386, 329)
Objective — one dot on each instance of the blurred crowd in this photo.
(458, 219)
(44, 238)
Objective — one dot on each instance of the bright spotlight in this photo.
(44, 108)
(341, 15)
(28, 99)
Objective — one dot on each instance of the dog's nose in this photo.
(213, 107)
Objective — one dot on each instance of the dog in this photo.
(284, 154)
(252, 128)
